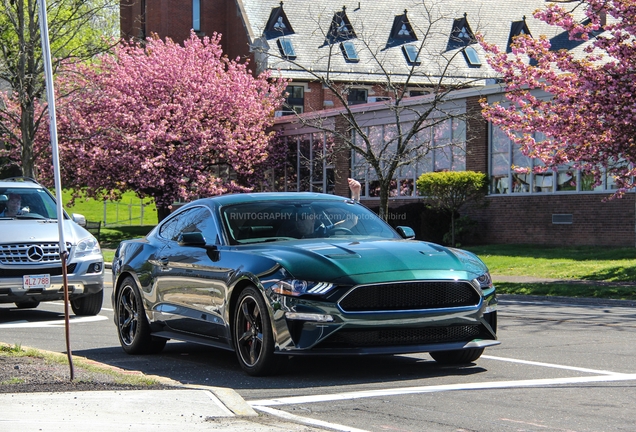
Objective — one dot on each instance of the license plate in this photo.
(36, 281)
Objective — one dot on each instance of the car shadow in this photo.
(200, 365)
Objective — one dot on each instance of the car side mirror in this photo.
(79, 219)
(406, 232)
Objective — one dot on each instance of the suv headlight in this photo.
(87, 246)
(295, 287)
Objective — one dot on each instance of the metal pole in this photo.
(50, 96)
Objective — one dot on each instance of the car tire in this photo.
(133, 328)
(88, 305)
(27, 304)
(253, 335)
(457, 356)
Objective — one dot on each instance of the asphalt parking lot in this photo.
(562, 365)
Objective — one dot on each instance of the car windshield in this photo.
(265, 221)
(26, 203)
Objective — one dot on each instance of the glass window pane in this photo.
(196, 15)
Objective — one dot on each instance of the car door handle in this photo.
(164, 261)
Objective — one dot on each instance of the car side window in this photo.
(196, 219)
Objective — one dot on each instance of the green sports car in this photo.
(270, 275)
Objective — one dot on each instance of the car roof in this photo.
(241, 198)
(20, 183)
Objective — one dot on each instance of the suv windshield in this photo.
(27, 203)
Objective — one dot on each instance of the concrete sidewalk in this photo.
(183, 408)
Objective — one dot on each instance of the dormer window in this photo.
(349, 51)
(518, 28)
(411, 53)
(401, 31)
(461, 34)
(340, 29)
(278, 25)
(286, 48)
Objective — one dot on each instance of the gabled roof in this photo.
(401, 32)
(278, 24)
(378, 24)
(340, 29)
(518, 28)
(461, 34)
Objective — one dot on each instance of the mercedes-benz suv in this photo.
(30, 263)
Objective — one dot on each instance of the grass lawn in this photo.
(128, 212)
(606, 272)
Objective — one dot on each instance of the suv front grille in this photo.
(31, 253)
(415, 295)
(53, 271)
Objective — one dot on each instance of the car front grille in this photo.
(410, 296)
(400, 337)
(53, 271)
(30, 253)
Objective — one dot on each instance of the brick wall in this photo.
(476, 137)
(528, 219)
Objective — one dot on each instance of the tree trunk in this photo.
(163, 212)
(383, 212)
(453, 228)
(26, 125)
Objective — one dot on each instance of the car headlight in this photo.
(295, 287)
(485, 281)
(87, 246)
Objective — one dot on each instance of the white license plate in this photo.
(36, 281)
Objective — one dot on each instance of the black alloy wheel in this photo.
(253, 336)
(132, 325)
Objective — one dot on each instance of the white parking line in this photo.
(550, 365)
(54, 323)
(606, 376)
(439, 388)
(305, 420)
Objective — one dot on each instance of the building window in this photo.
(472, 58)
(443, 148)
(357, 96)
(196, 15)
(411, 52)
(286, 48)
(309, 168)
(349, 51)
(522, 179)
(295, 100)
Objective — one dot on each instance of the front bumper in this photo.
(79, 284)
(313, 327)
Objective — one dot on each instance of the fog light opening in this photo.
(308, 317)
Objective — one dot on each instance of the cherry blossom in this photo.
(589, 117)
(168, 121)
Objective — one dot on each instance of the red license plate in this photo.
(36, 281)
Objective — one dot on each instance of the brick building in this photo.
(295, 39)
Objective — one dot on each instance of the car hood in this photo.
(40, 230)
(367, 261)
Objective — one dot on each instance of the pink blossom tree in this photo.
(590, 119)
(165, 120)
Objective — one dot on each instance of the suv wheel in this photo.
(89, 305)
(27, 304)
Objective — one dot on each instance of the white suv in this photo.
(30, 264)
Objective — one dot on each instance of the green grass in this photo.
(586, 263)
(605, 272)
(127, 213)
